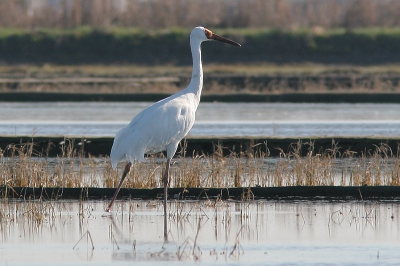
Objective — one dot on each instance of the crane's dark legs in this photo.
(126, 171)
(165, 199)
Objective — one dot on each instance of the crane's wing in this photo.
(157, 128)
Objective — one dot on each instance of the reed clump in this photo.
(22, 166)
(224, 13)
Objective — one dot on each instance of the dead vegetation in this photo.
(21, 166)
(284, 14)
(284, 79)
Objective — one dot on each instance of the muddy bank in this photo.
(55, 146)
(224, 83)
(295, 88)
(252, 193)
(323, 97)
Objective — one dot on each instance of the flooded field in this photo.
(200, 232)
(212, 119)
(211, 231)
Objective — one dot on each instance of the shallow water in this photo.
(213, 119)
(234, 233)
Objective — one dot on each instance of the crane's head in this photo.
(202, 34)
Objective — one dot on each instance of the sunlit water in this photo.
(212, 119)
(234, 233)
(201, 233)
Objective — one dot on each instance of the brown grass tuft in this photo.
(21, 166)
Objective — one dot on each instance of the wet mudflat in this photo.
(200, 232)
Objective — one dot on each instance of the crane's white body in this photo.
(159, 127)
(162, 125)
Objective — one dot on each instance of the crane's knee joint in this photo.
(128, 167)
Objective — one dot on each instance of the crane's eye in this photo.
(208, 33)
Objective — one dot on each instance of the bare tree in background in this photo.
(281, 14)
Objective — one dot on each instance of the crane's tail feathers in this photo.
(118, 151)
(115, 158)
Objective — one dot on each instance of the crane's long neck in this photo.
(196, 83)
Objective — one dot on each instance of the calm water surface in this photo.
(213, 119)
(201, 233)
(206, 232)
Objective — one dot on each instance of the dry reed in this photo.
(224, 13)
(21, 166)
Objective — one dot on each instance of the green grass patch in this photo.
(85, 45)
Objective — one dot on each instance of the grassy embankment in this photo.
(159, 47)
(270, 61)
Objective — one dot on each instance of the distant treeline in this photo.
(86, 45)
(150, 14)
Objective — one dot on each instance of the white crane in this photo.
(162, 125)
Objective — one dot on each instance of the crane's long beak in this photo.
(222, 39)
